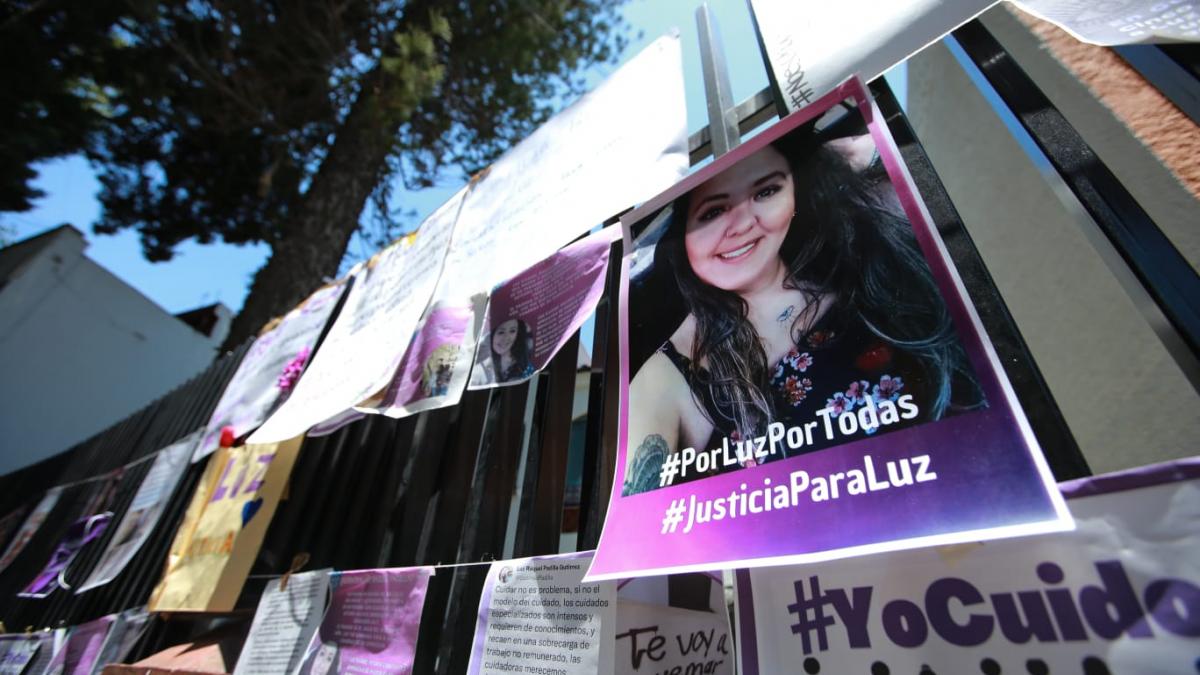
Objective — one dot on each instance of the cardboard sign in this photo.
(224, 527)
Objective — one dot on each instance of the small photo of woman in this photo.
(322, 661)
(505, 355)
(787, 285)
(439, 367)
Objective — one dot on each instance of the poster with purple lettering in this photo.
(531, 316)
(270, 368)
(1120, 595)
(81, 533)
(543, 194)
(30, 527)
(78, 656)
(673, 624)
(371, 625)
(143, 513)
(537, 616)
(223, 527)
(803, 375)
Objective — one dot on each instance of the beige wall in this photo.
(1122, 394)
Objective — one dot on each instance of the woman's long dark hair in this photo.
(843, 243)
(519, 353)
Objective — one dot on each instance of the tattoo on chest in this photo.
(786, 314)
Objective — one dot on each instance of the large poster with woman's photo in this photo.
(803, 375)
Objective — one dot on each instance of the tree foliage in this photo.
(49, 97)
(276, 121)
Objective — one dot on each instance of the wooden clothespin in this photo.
(298, 563)
(480, 175)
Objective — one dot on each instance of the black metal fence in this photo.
(486, 479)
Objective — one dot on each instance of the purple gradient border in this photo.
(1092, 486)
(993, 480)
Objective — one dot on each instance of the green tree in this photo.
(278, 121)
(48, 97)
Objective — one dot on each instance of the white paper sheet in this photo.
(535, 615)
(1121, 23)
(144, 511)
(283, 625)
(254, 391)
(814, 46)
(376, 323)
(619, 144)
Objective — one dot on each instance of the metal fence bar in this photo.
(1158, 266)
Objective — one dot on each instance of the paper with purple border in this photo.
(78, 656)
(371, 625)
(531, 316)
(1120, 594)
(17, 651)
(971, 472)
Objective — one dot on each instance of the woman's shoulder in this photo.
(657, 372)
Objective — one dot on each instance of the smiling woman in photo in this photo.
(805, 291)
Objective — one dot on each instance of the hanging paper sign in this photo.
(537, 616)
(1121, 23)
(9, 523)
(371, 625)
(144, 511)
(813, 47)
(673, 624)
(224, 527)
(79, 534)
(804, 377)
(79, 655)
(370, 334)
(1120, 595)
(270, 369)
(531, 316)
(126, 631)
(284, 624)
(17, 652)
(542, 194)
(30, 527)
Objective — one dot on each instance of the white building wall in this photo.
(79, 351)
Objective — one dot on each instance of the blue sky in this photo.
(202, 274)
